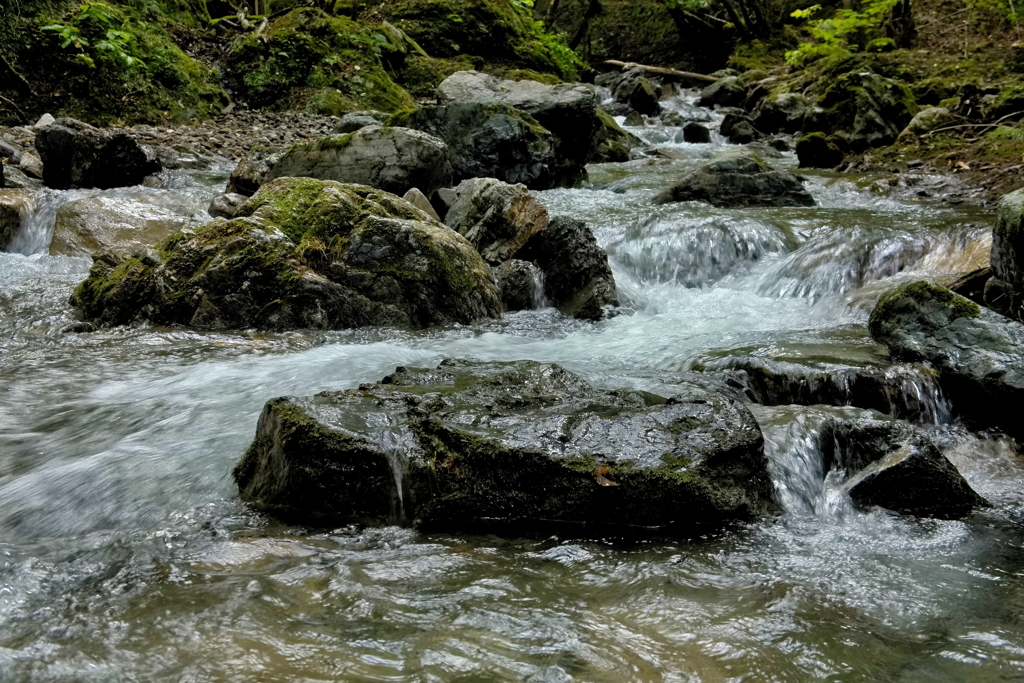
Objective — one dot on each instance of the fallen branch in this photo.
(662, 71)
(983, 126)
(24, 118)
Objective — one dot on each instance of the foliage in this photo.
(98, 26)
(847, 31)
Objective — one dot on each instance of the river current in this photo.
(126, 555)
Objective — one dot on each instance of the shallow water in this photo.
(125, 554)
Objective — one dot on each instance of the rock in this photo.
(577, 278)
(738, 129)
(567, 110)
(3, 180)
(420, 201)
(635, 120)
(15, 205)
(611, 143)
(495, 217)
(814, 150)
(897, 467)
(865, 109)
(672, 118)
(226, 205)
(510, 447)
(31, 165)
(783, 113)
(75, 154)
(119, 226)
(1008, 241)
(667, 153)
(301, 253)
(639, 93)
(355, 120)
(977, 352)
(695, 132)
(725, 92)
(738, 178)
(492, 141)
(519, 283)
(44, 120)
(11, 152)
(252, 170)
(925, 121)
(392, 159)
(15, 178)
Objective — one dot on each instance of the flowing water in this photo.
(125, 554)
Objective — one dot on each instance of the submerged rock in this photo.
(898, 467)
(496, 218)
(977, 352)
(738, 177)
(392, 159)
(118, 226)
(577, 278)
(301, 253)
(517, 445)
(75, 154)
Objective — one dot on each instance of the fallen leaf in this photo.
(601, 475)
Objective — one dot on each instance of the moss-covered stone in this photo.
(522, 443)
(301, 253)
(866, 109)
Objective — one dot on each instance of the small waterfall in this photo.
(540, 299)
(397, 442)
(38, 222)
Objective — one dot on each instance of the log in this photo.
(662, 71)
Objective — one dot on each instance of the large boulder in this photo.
(75, 154)
(725, 92)
(865, 109)
(568, 110)
(895, 466)
(119, 226)
(738, 177)
(301, 253)
(783, 113)
(509, 446)
(636, 91)
(491, 141)
(496, 218)
(577, 278)
(611, 143)
(15, 206)
(392, 159)
(977, 352)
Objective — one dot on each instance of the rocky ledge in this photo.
(526, 444)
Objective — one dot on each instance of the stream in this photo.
(126, 555)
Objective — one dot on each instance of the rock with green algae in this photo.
(738, 177)
(978, 353)
(865, 109)
(898, 467)
(301, 253)
(611, 143)
(514, 446)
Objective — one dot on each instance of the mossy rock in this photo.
(611, 142)
(420, 75)
(866, 109)
(309, 59)
(301, 253)
(563, 455)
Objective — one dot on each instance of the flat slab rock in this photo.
(522, 443)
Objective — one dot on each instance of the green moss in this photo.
(922, 293)
(420, 75)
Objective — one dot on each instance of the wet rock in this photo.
(11, 152)
(672, 118)
(977, 352)
(301, 253)
(639, 93)
(392, 159)
(420, 201)
(815, 150)
(972, 285)
(523, 445)
(31, 165)
(925, 121)
(3, 180)
(725, 92)
(75, 154)
(783, 113)
(577, 278)
(15, 178)
(226, 205)
(119, 226)
(1008, 252)
(355, 120)
(865, 109)
(492, 141)
(252, 169)
(611, 143)
(695, 132)
(495, 217)
(738, 178)
(898, 467)
(738, 129)
(519, 284)
(15, 205)
(567, 110)
(635, 120)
